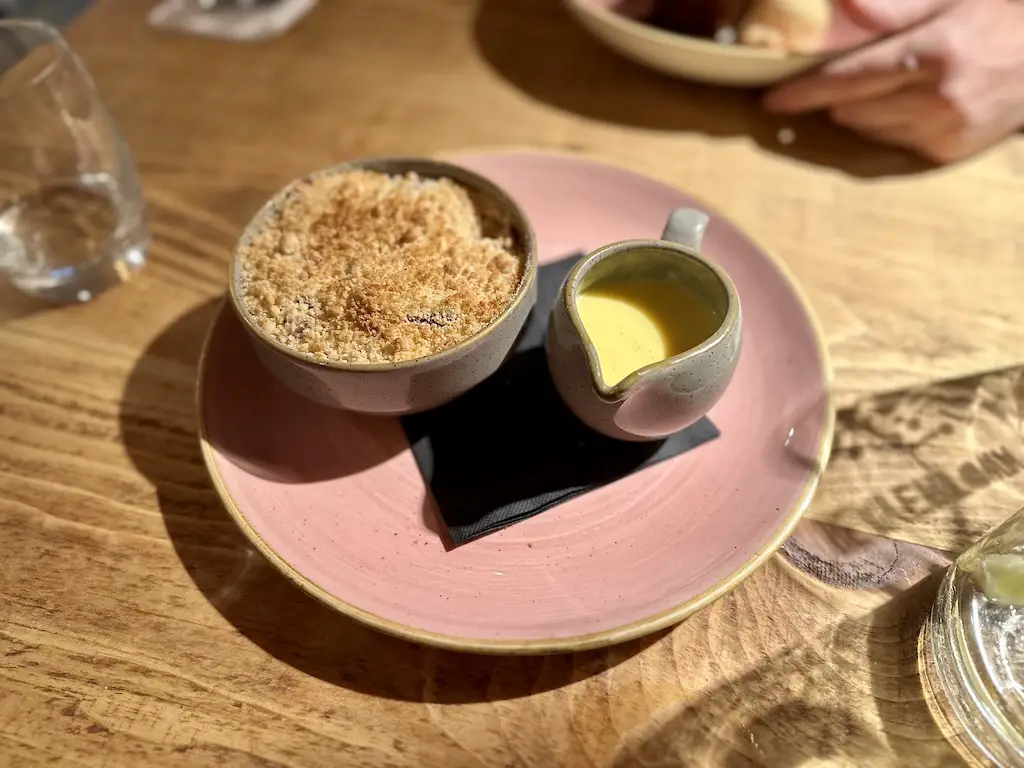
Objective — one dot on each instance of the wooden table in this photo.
(137, 627)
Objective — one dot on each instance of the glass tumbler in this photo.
(976, 639)
(71, 207)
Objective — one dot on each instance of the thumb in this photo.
(888, 16)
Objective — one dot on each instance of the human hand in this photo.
(947, 83)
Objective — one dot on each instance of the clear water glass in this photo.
(71, 207)
(976, 639)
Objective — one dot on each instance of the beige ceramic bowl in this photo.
(689, 57)
(411, 385)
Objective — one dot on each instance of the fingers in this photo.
(918, 48)
(916, 118)
(953, 145)
(922, 120)
(893, 15)
(821, 92)
(936, 88)
(890, 65)
(917, 106)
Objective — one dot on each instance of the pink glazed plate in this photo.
(335, 500)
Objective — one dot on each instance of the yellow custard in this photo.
(634, 323)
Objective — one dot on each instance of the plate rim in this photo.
(571, 643)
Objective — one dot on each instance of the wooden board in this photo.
(137, 627)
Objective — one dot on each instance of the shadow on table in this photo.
(261, 603)
(262, 427)
(793, 708)
(538, 48)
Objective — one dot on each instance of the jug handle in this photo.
(686, 226)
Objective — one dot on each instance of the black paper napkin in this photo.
(509, 448)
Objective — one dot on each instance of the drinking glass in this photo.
(976, 638)
(71, 207)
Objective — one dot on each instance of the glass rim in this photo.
(54, 37)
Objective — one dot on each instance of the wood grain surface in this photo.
(138, 627)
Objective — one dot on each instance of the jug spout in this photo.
(612, 393)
